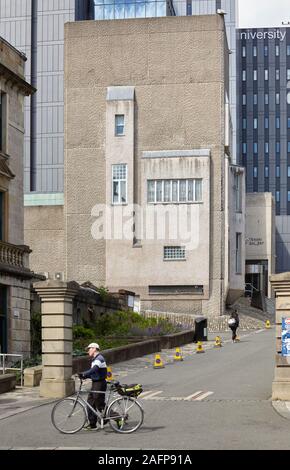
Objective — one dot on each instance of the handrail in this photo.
(3, 356)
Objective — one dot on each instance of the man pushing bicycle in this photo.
(98, 374)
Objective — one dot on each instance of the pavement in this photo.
(23, 399)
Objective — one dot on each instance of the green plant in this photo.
(103, 293)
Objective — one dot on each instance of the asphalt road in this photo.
(229, 408)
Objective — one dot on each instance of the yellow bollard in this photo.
(158, 364)
(268, 324)
(178, 355)
(218, 342)
(109, 374)
(199, 348)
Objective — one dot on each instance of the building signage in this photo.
(285, 336)
(274, 34)
(254, 241)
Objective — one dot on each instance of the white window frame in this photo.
(116, 126)
(119, 180)
(175, 253)
(187, 201)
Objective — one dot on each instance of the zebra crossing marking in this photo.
(197, 396)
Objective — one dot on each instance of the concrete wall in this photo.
(177, 69)
(260, 229)
(44, 233)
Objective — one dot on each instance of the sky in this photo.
(263, 13)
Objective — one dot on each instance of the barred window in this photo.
(177, 191)
(174, 252)
(119, 184)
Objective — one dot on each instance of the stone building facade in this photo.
(15, 276)
(147, 131)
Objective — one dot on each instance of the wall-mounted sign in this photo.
(271, 34)
(285, 336)
(254, 241)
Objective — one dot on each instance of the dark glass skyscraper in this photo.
(263, 145)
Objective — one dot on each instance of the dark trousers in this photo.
(96, 400)
(234, 332)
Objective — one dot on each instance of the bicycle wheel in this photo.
(125, 415)
(68, 416)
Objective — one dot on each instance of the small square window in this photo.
(119, 124)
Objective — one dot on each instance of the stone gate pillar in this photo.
(56, 321)
(281, 385)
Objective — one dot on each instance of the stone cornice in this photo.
(16, 80)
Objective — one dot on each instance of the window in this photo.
(119, 184)
(244, 147)
(255, 98)
(255, 51)
(266, 51)
(238, 193)
(277, 196)
(266, 172)
(277, 51)
(255, 76)
(266, 98)
(244, 76)
(288, 171)
(244, 100)
(288, 147)
(288, 50)
(244, 123)
(119, 124)
(266, 123)
(174, 252)
(277, 171)
(244, 51)
(266, 147)
(277, 123)
(288, 196)
(255, 172)
(238, 253)
(3, 114)
(288, 74)
(255, 147)
(168, 191)
(277, 74)
(266, 74)
(277, 98)
(2, 216)
(288, 123)
(277, 147)
(255, 123)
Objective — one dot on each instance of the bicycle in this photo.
(124, 414)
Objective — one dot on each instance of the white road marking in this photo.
(190, 397)
(148, 397)
(143, 394)
(204, 395)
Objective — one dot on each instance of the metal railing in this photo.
(250, 288)
(3, 363)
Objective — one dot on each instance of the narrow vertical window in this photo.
(277, 123)
(119, 124)
(266, 74)
(244, 123)
(266, 51)
(255, 98)
(238, 193)
(277, 51)
(255, 147)
(288, 171)
(119, 184)
(277, 98)
(238, 253)
(255, 75)
(255, 51)
(277, 171)
(288, 74)
(244, 51)
(244, 75)
(244, 99)
(266, 98)
(266, 172)
(255, 172)
(266, 123)
(277, 74)
(277, 196)
(266, 147)
(288, 50)
(255, 123)
(3, 121)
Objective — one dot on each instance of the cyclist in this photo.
(98, 374)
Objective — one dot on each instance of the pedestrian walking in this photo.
(233, 323)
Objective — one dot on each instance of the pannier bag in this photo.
(132, 390)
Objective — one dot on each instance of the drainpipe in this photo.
(33, 106)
